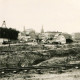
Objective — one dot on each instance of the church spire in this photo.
(24, 30)
(42, 30)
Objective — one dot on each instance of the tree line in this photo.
(8, 33)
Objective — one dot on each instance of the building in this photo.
(55, 37)
(59, 38)
(47, 36)
(31, 33)
(23, 37)
(62, 38)
(27, 35)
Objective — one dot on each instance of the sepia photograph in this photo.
(39, 39)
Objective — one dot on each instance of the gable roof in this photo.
(67, 36)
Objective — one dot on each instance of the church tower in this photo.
(42, 30)
(24, 30)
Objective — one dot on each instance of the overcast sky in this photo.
(54, 15)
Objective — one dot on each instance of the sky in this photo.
(53, 15)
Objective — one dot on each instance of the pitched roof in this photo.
(67, 36)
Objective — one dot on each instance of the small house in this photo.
(23, 37)
(62, 38)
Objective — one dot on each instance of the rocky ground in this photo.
(24, 55)
(72, 74)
